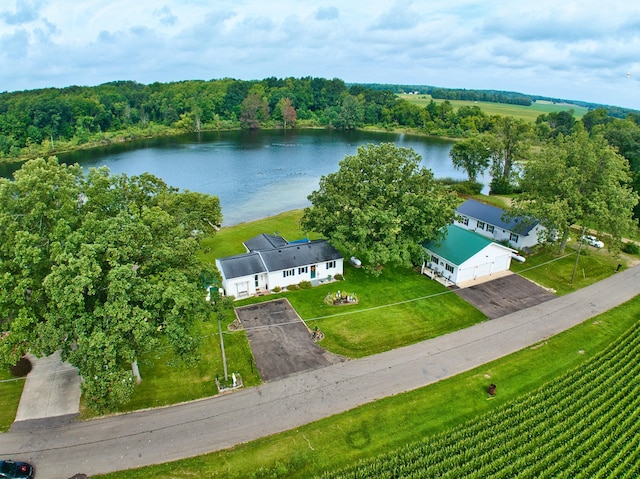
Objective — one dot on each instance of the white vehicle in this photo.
(593, 241)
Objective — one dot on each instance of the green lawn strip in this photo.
(10, 392)
(554, 270)
(390, 423)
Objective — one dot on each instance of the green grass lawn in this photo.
(10, 392)
(390, 423)
(228, 241)
(527, 113)
(398, 308)
(554, 270)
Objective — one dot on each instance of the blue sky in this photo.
(579, 50)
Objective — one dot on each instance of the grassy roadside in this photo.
(554, 271)
(10, 391)
(392, 422)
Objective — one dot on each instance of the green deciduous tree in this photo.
(508, 145)
(578, 180)
(380, 205)
(351, 114)
(470, 155)
(101, 267)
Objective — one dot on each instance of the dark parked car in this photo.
(15, 470)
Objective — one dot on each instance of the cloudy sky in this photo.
(581, 50)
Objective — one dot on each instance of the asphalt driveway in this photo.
(281, 342)
(504, 295)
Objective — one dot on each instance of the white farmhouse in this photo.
(464, 256)
(489, 221)
(271, 261)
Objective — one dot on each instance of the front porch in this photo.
(436, 275)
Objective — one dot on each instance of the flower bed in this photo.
(340, 298)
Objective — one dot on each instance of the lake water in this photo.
(254, 173)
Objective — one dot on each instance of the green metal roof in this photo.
(458, 246)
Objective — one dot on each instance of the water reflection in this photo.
(254, 173)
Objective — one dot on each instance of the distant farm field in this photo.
(527, 113)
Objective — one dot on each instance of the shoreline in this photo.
(123, 137)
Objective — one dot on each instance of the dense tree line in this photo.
(481, 95)
(42, 122)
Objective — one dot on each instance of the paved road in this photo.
(160, 435)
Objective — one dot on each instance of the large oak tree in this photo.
(100, 267)
(380, 205)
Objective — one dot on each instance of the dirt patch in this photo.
(505, 295)
(281, 342)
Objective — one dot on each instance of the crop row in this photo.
(582, 425)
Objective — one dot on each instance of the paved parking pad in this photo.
(504, 295)
(280, 341)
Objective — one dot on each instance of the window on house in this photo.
(303, 270)
(449, 267)
(434, 259)
(288, 272)
(514, 237)
(489, 228)
(481, 225)
(331, 264)
(464, 220)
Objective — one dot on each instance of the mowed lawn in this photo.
(555, 270)
(397, 308)
(527, 113)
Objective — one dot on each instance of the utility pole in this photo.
(575, 266)
(219, 316)
(224, 357)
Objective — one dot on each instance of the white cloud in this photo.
(574, 50)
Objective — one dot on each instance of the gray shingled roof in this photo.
(264, 241)
(294, 255)
(493, 216)
(241, 265)
(277, 258)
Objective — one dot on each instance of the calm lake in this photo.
(254, 173)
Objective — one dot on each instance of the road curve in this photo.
(159, 435)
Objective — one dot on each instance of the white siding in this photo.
(499, 234)
(492, 259)
(322, 273)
